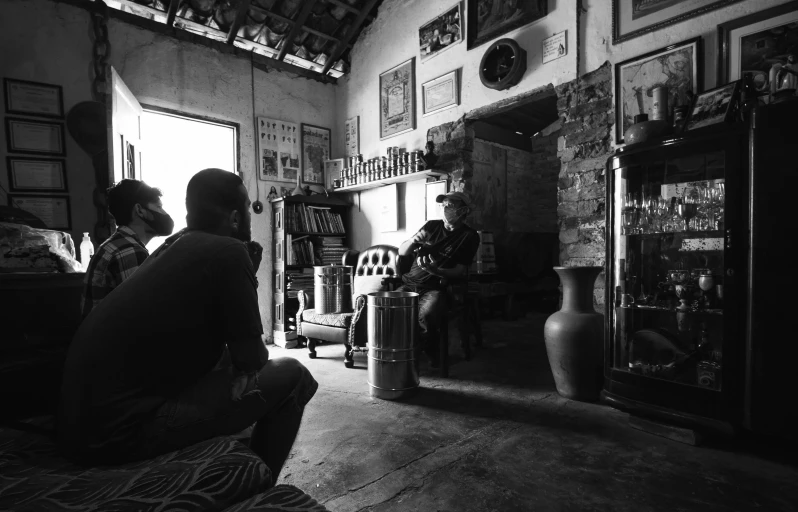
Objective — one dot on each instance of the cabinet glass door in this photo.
(668, 259)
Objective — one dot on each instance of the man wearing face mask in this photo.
(175, 356)
(441, 250)
(139, 216)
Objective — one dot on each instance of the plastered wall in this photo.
(46, 41)
(393, 38)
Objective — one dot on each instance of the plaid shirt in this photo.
(115, 260)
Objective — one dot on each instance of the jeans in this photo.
(431, 309)
(206, 410)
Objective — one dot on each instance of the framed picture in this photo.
(440, 93)
(36, 174)
(489, 19)
(315, 150)
(278, 149)
(353, 136)
(398, 99)
(633, 18)
(441, 33)
(33, 98)
(759, 44)
(26, 136)
(678, 66)
(332, 171)
(52, 210)
(713, 106)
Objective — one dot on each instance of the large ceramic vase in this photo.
(575, 336)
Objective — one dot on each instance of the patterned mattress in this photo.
(208, 476)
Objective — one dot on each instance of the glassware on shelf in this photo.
(686, 212)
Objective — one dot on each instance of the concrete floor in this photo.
(496, 436)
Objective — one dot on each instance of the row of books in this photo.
(307, 250)
(312, 219)
(332, 250)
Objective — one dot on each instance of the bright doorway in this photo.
(176, 147)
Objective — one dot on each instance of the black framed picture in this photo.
(761, 44)
(679, 67)
(316, 147)
(54, 211)
(398, 99)
(38, 137)
(441, 33)
(633, 18)
(27, 174)
(489, 19)
(713, 106)
(33, 98)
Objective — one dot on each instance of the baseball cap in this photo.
(456, 196)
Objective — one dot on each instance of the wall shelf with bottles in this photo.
(429, 173)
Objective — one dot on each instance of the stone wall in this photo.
(583, 147)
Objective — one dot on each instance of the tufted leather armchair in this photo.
(374, 269)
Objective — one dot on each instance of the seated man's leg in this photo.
(206, 410)
(431, 306)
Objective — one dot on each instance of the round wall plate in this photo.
(503, 65)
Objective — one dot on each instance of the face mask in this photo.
(452, 215)
(161, 223)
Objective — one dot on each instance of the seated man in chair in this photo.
(442, 250)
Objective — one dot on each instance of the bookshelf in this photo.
(307, 231)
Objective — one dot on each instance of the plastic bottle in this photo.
(86, 250)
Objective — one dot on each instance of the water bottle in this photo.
(86, 250)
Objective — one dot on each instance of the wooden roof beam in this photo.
(171, 14)
(353, 30)
(288, 41)
(240, 15)
(289, 20)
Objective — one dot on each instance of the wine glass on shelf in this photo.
(718, 205)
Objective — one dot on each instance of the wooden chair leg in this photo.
(443, 347)
(312, 348)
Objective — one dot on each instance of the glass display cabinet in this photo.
(692, 309)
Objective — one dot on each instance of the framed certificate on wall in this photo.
(36, 174)
(28, 136)
(52, 210)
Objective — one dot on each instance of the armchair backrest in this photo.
(377, 260)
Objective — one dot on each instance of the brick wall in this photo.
(583, 147)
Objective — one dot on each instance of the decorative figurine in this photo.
(430, 157)
(272, 194)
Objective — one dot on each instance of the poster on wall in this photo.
(441, 33)
(315, 150)
(434, 189)
(353, 136)
(398, 100)
(278, 149)
(489, 19)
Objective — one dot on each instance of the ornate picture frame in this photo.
(679, 66)
(757, 43)
(490, 19)
(398, 99)
(315, 150)
(633, 18)
(441, 93)
(441, 32)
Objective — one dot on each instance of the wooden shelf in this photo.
(393, 179)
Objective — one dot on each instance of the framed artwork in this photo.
(489, 19)
(353, 136)
(398, 99)
(36, 174)
(633, 18)
(26, 136)
(315, 150)
(33, 98)
(713, 106)
(278, 149)
(440, 93)
(441, 33)
(332, 171)
(678, 66)
(759, 44)
(52, 210)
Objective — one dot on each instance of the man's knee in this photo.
(285, 376)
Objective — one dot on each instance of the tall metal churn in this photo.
(332, 286)
(392, 338)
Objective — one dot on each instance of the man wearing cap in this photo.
(442, 250)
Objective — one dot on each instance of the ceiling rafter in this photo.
(353, 30)
(171, 14)
(352, 9)
(288, 41)
(280, 17)
(240, 15)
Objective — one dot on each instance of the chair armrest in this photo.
(302, 297)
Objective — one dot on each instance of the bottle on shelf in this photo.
(86, 250)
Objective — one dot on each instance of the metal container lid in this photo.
(392, 299)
